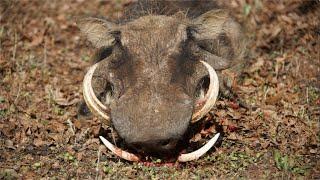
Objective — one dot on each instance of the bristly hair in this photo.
(192, 8)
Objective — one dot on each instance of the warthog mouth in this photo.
(207, 102)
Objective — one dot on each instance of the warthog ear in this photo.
(209, 28)
(98, 31)
(210, 24)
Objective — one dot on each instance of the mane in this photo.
(192, 8)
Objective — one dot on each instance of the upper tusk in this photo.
(97, 107)
(90, 89)
(211, 96)
(198, 153)
(119, 152)
(89, 96)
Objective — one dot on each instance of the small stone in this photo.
(9, 144)
(313, 151)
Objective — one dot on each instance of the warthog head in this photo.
(151, 72)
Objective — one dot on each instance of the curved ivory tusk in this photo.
(198, 153)
(97, 107)
(91, 100)
(211, 96)
(119, 152)
(90, 89)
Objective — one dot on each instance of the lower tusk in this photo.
(97, 107)
(200, 152)
(90, 98)
(211, 96)
(119, 152)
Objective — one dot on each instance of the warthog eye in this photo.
(118, 56)
(102, 53)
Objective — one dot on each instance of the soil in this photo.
(43, 59)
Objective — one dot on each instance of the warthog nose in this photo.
(158, 147)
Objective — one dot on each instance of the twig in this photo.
(45, 53)
(307, 94)
(18, 94)
(98, 161)
(71, 126)
(265, 95)
(83, 133)
(14, 47)
(1, 34)
(113, 137)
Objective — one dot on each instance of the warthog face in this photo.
(151, 73)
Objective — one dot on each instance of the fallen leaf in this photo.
(257, 65)
(57, 127)
(39, 142)
(37, 40)
(196, 138)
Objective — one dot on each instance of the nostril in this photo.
(168, 144)
(136, 146)
(165, 142)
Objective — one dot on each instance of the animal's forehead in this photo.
(148, 22)
(152, 42)
(153, 30)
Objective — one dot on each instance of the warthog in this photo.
(150, 67)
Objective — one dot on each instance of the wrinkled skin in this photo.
(151, 64)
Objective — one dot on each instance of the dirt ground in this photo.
(43, 58)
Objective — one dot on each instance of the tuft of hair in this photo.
(192, 8)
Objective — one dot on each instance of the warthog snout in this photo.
(145, 117)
